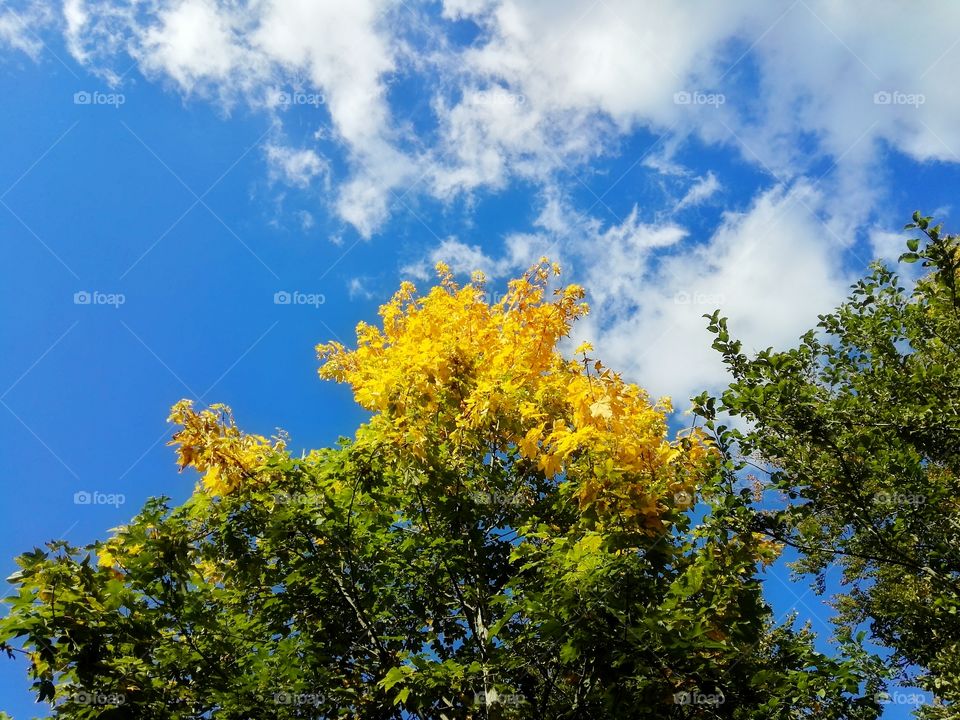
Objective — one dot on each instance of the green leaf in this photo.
(394, 676)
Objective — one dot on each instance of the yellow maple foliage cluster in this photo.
(451, 368)
(210, 442)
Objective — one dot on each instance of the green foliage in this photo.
(466, 579)
(349, 589)
(856, 434)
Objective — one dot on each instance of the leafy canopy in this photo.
(453, 373)
(856, 434)
(513, 534)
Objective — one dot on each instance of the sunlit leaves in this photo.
(856, 432)
(210, 442)
(512, 535)
(451, 369)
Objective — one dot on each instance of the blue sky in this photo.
(179, 164)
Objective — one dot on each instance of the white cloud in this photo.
(463, 259)
(622, 58)
(835, 81)
(343, 49)
(702, 190)
(549, 86)
(76, 18)
(771, 269)
(861, 51)
(887, 246)
(306, 219)
(814, 92)
(481, 134)
(100, 33)
(357, 289)
(193, 42)
(20, 28)
(458, 9)
(364, 198)
(295, 167)
(237, 51)
(346, 50)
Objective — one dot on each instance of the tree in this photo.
(857, 434)
(513, 534)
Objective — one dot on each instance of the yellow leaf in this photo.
(449, 372)
(105, 557)
(601, 409)
(550, 464)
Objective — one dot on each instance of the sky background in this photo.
(173, 171)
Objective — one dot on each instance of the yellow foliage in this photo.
(106, 557)
(210, 442)
(768, 551)
(452, 370)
